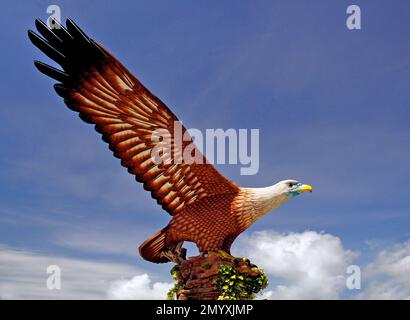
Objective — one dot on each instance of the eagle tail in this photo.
(155, 250)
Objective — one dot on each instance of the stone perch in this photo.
(216, 277)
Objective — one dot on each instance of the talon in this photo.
(177, 256)
(182, 253)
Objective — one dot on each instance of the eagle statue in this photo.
(206, 207)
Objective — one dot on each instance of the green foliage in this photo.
(239, 286)
(172, 291)
(175, 274)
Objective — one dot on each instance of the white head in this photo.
(265, 199)
(290, 188)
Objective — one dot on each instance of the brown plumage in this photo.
(207, 208)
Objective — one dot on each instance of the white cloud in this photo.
(312, 265)
(23, 276)
(307, 265)
(139, 288)
(388, 276)
(102, 238)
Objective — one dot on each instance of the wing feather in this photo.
(104, 93)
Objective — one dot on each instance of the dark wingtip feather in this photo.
(44, 46)
(40, 26)
(85, 118)
(61, 90)
(51, 71)
(48, 34)
(31, 35)
(76, 32)
(70, 105)
(39, 23)
(61, 31)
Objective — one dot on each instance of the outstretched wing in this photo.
(104, 93)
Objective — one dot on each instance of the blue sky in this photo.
(332, 106)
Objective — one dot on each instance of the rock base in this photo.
(201, 277)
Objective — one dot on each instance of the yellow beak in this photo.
(304, 188)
